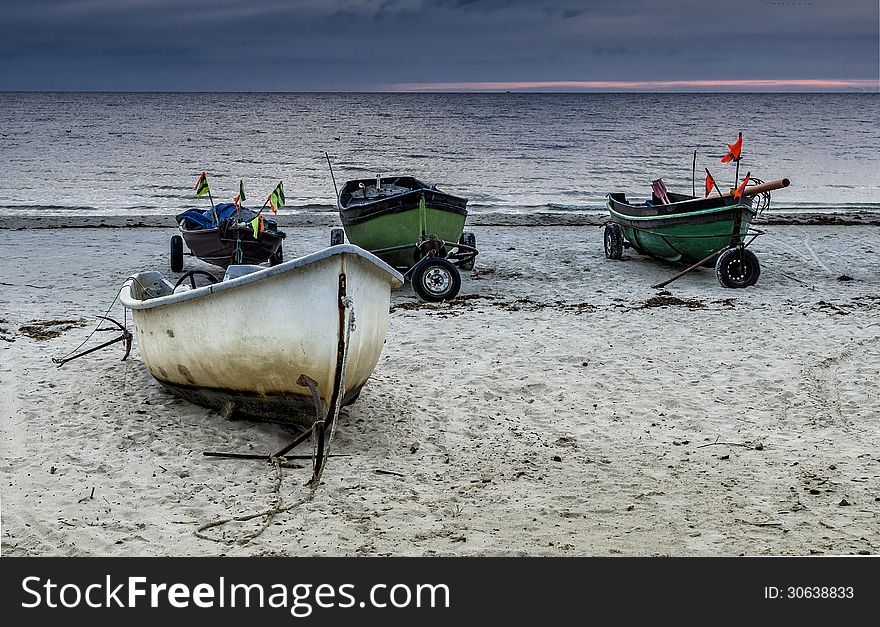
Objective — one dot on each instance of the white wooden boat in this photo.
(241, 345)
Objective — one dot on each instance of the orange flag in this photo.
(710, 183)
(742, 187)
(735, 150)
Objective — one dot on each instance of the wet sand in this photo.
(560, 406)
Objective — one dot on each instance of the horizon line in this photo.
(763, 84)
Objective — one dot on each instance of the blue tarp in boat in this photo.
(205, 220)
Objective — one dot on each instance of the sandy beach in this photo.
(559, 406)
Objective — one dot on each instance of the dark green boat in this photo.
(410, 225)
(688, 229)
(678, 227)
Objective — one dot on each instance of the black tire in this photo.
(737, 267)
(277, 257)
(176, 253)
(337, 236)
(435, 279)
(468, 239)
(613, 241)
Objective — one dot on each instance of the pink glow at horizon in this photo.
(735, 83)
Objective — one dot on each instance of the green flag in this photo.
(202, 185)
(276, 198)
(257, 226)
(240, 198)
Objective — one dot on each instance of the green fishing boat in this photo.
(410, 225)
(698, 231)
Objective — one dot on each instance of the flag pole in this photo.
(694, 176)
(264, 206)
(736, 182)
(213, 210)
(211, 198)
(714, 182)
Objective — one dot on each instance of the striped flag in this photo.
(202, 185)
(240, 198)
(276, 198)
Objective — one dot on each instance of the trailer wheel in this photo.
(737, 267)
(176, 253)
(468, 239)
(436, 279)
(277, 257)
(337, 236)
(613, 241)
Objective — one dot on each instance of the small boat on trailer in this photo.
(674, 227)
(266, 342)
(412, 226)
(216, 236)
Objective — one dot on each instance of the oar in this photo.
(688, 269)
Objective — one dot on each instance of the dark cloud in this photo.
(371, 44)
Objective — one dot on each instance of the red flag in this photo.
(735, 150)
(742, 187)
(710, 183)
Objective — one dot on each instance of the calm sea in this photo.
(140, 153)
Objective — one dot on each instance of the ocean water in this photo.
(140, 153)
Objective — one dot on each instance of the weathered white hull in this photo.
(246, 341)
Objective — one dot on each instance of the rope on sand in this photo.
(277, 506)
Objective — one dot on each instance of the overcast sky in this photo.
(391, 45)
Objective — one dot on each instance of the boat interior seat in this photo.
(240, 269)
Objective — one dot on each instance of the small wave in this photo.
(25, 208)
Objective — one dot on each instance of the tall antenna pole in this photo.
(335, 189)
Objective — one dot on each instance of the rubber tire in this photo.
(277, 257)
(419, 277)
(468, 239)
(735, 273)
(613, 241)
(337, 236)
(176, 253)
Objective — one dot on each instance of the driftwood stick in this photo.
(725, 443)
(302, 437)
(381, 471)
(262, 457)
(766, 523)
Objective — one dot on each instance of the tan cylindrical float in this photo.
(758, 189)
(765, 187)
